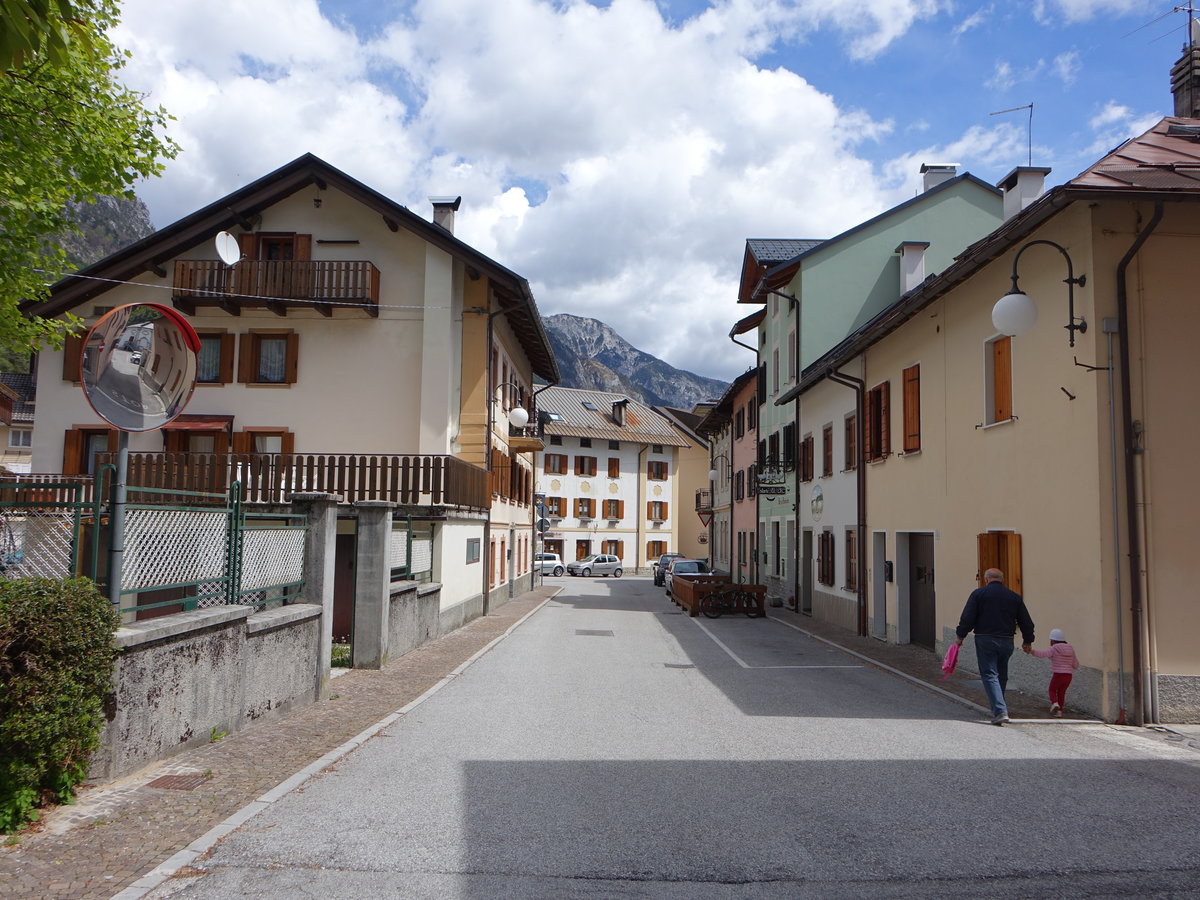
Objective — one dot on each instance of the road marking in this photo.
(745, 665)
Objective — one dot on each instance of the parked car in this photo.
(548, 563)
(684, 567)
(660, 566)
(596, 564)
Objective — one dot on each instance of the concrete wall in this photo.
(414, 616)
(184, 678)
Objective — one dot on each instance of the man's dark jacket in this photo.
(995, 610)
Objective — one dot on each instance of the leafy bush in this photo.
(56, 663)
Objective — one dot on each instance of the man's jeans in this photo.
(992, 653)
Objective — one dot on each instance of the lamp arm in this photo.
(1070, 281)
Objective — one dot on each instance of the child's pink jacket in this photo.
(1062, 658)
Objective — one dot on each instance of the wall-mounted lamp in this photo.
(713, 473)
(1015, 313)
(317, 202)
(518, 416)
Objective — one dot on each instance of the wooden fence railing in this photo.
(270, 477)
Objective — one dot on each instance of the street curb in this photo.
(207, 841)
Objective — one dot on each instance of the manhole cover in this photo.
(679, 665)
(593, 632)
(178, 782)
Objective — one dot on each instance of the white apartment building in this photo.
(610, 477)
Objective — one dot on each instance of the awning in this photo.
(200, 423)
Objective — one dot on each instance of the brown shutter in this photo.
(226, 375)
(620, 509)
(244, 273)
(1010, 558)
(620, 550)
(578, 465)
(243, 442)
(246, 373)
(912, 409)
(72, 451)
(174, 440)
(885, 419)
(614, 467)
(292, 362)
(302, 247)
(663, 508)
(72, 350)
(1002, 379)
(650, 510)
(867, 451)
(575, 513)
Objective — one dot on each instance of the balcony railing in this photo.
(704, 501)
(277, 284)
(270, 477)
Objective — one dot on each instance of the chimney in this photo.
(618, 410)
(912, 264)
(1185, 76)
(936, 173)
(1022, 186)
(443, 211)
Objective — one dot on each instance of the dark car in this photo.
(684, 567)
(660, 566)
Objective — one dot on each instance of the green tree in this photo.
(42, 27)
(69, 131)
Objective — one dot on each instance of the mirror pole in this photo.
(116, 549)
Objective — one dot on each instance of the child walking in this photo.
(1063, 664)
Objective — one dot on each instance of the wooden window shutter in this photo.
(1010, 560)
(663, 508)
(72, 348)
(578, 465)
(578, 507)
(246, 373)
(175, 440)
(302, 247)
(1002, 379)
(248, 244)
(620, 549)
(287, 442)
(292, 362)
(226, 375)
(620, 509)
(614, 467)
(827, 450)
(72, 451)
(243, 442)
(885, 419)
(650, 510)
(912, 409)
(867, 451)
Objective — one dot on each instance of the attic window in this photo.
(588, 404)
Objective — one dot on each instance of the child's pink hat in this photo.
(1057, 635)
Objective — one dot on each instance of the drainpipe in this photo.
(638, 547)
(540, 545)
(1136, 611)
(858, 385)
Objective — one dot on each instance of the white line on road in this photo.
(745, 665)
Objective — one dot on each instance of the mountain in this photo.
(105, 226)
(591, 355)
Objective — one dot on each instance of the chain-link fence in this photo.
(410, 552)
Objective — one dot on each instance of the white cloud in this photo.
(1084, 10)
(1067, 66)
(1116, 123)
(654, 150)
(974, 20)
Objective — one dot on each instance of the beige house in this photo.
(355, 348)
(1061, 454)
(618, 477)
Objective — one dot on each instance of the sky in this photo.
(618, 154)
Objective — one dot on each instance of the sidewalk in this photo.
(117, 833)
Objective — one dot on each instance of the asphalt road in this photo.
(612, 747)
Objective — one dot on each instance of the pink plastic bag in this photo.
(950, 661)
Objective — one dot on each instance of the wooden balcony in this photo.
(277, 285)
(271, 477)
(525, 440)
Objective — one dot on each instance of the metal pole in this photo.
(116, 547)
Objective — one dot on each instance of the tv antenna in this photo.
(1028, 106)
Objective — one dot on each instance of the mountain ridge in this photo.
(591, 355)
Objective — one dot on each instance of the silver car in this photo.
(684, 566)
(596, 564)
(548, 563)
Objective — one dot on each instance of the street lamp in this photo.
(1015, 313)
(712, 473)
(518, 416)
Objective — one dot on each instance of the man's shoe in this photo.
(1001, 719)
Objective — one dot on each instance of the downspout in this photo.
(638, 548)
(539, 545)
(740, 344)
(797, 530)
(858, 385)
(1136, 611)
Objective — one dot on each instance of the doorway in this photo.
(922, 607)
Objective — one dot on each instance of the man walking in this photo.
(994, 612)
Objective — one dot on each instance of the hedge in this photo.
(56, 663)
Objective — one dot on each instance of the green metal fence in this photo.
(411, 552)
(48, 527)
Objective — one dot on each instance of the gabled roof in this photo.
(763, 253)
(583, 413)
(24, 385)
(722, 414)
(237, 209)
(779, 275)
(1156, 165)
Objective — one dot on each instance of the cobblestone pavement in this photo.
(118, 832)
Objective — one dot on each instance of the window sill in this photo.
(988, 425)
(906, 453)
(263, 384)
